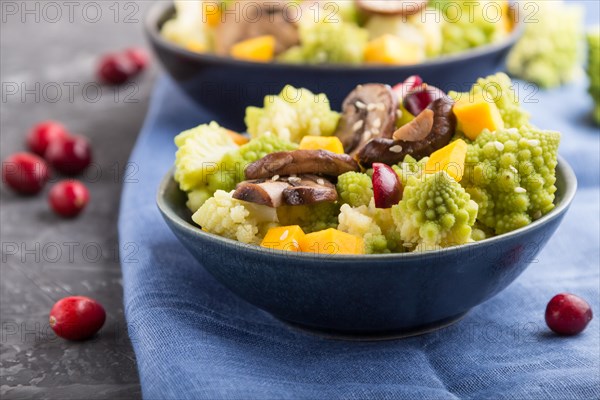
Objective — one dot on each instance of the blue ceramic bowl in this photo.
(225, 87)
(389, 294)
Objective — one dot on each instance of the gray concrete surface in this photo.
(47, 64)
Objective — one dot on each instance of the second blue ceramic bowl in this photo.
(225, 87)
(389, 294)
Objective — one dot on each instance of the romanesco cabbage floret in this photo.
(199, 151)
(355, 188)
(311, 218)
(230, 170)
(410, 167)
(593, 39)
(499, 89)
(234, 219)
(434, 212)
(510, 173)
(465, 24)
(374, 225)
(291, 115)
(549, 53)
(329, 42)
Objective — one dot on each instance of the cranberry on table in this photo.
(70, 155)
(387, 189)
(77, 317)
(42, 134)
(68, 198)
(25, 173)
(118, 68)
(567, 314)
(139, 57)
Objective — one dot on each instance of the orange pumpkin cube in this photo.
(283, 238)
(332, 241)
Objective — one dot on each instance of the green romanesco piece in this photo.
(291, 115)
(410, 167)
(465, 24)
(199, 151)
(355, 188)
(374, 225)
(311, 218)
(550, 51)
(499, 89)
(593, 69)
(234, 219)
(328, 42)
(434, 212)
(510, 173)
(230, 170)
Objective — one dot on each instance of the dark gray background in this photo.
(44, 257)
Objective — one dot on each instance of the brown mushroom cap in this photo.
(256, 18)
(392, 7)
(309, 189)
(369, 112)
(390, 151)
(299, 162)
(293, 191)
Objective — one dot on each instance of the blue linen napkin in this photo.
(194, 339)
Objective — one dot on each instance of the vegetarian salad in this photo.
(401, 169)
(393, 32)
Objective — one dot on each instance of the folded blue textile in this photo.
(195, 340)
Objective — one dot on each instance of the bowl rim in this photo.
(158, 10)
(563, 166)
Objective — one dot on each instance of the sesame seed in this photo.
(377, 123)
(320, 181)
(360, 104)
(513, 169)
(533, 142)
(375, 132)
(396, 149)
(399, 113)
(537, 215)
(380, 106)
(371, 107)
(499, 146)
(357, 125)
(275, 178)
(293, 179)
(520, 190)
(284, 235)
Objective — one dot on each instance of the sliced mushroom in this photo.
(264, 192)
(309, 189)
(293, 191)
(390, 151)
(392, 7)
(255, 19)
(369, 112)
(417, 129)
(301, 162)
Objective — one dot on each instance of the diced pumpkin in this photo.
(260, 49)
(237, 138)
(332, 241)
(283, 238)
(392, 50)
(476, 114)
(329, 143)
(450, 159)
(196, 46)
(211, 13)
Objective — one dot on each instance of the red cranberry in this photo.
(77, 317)
(68, 198)
(420, 98)
(387, 188)
(26, 173)
(139, 57)
(411, 83)
(567, 314)
(42, 134)
(70, 155)
(117, 68)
